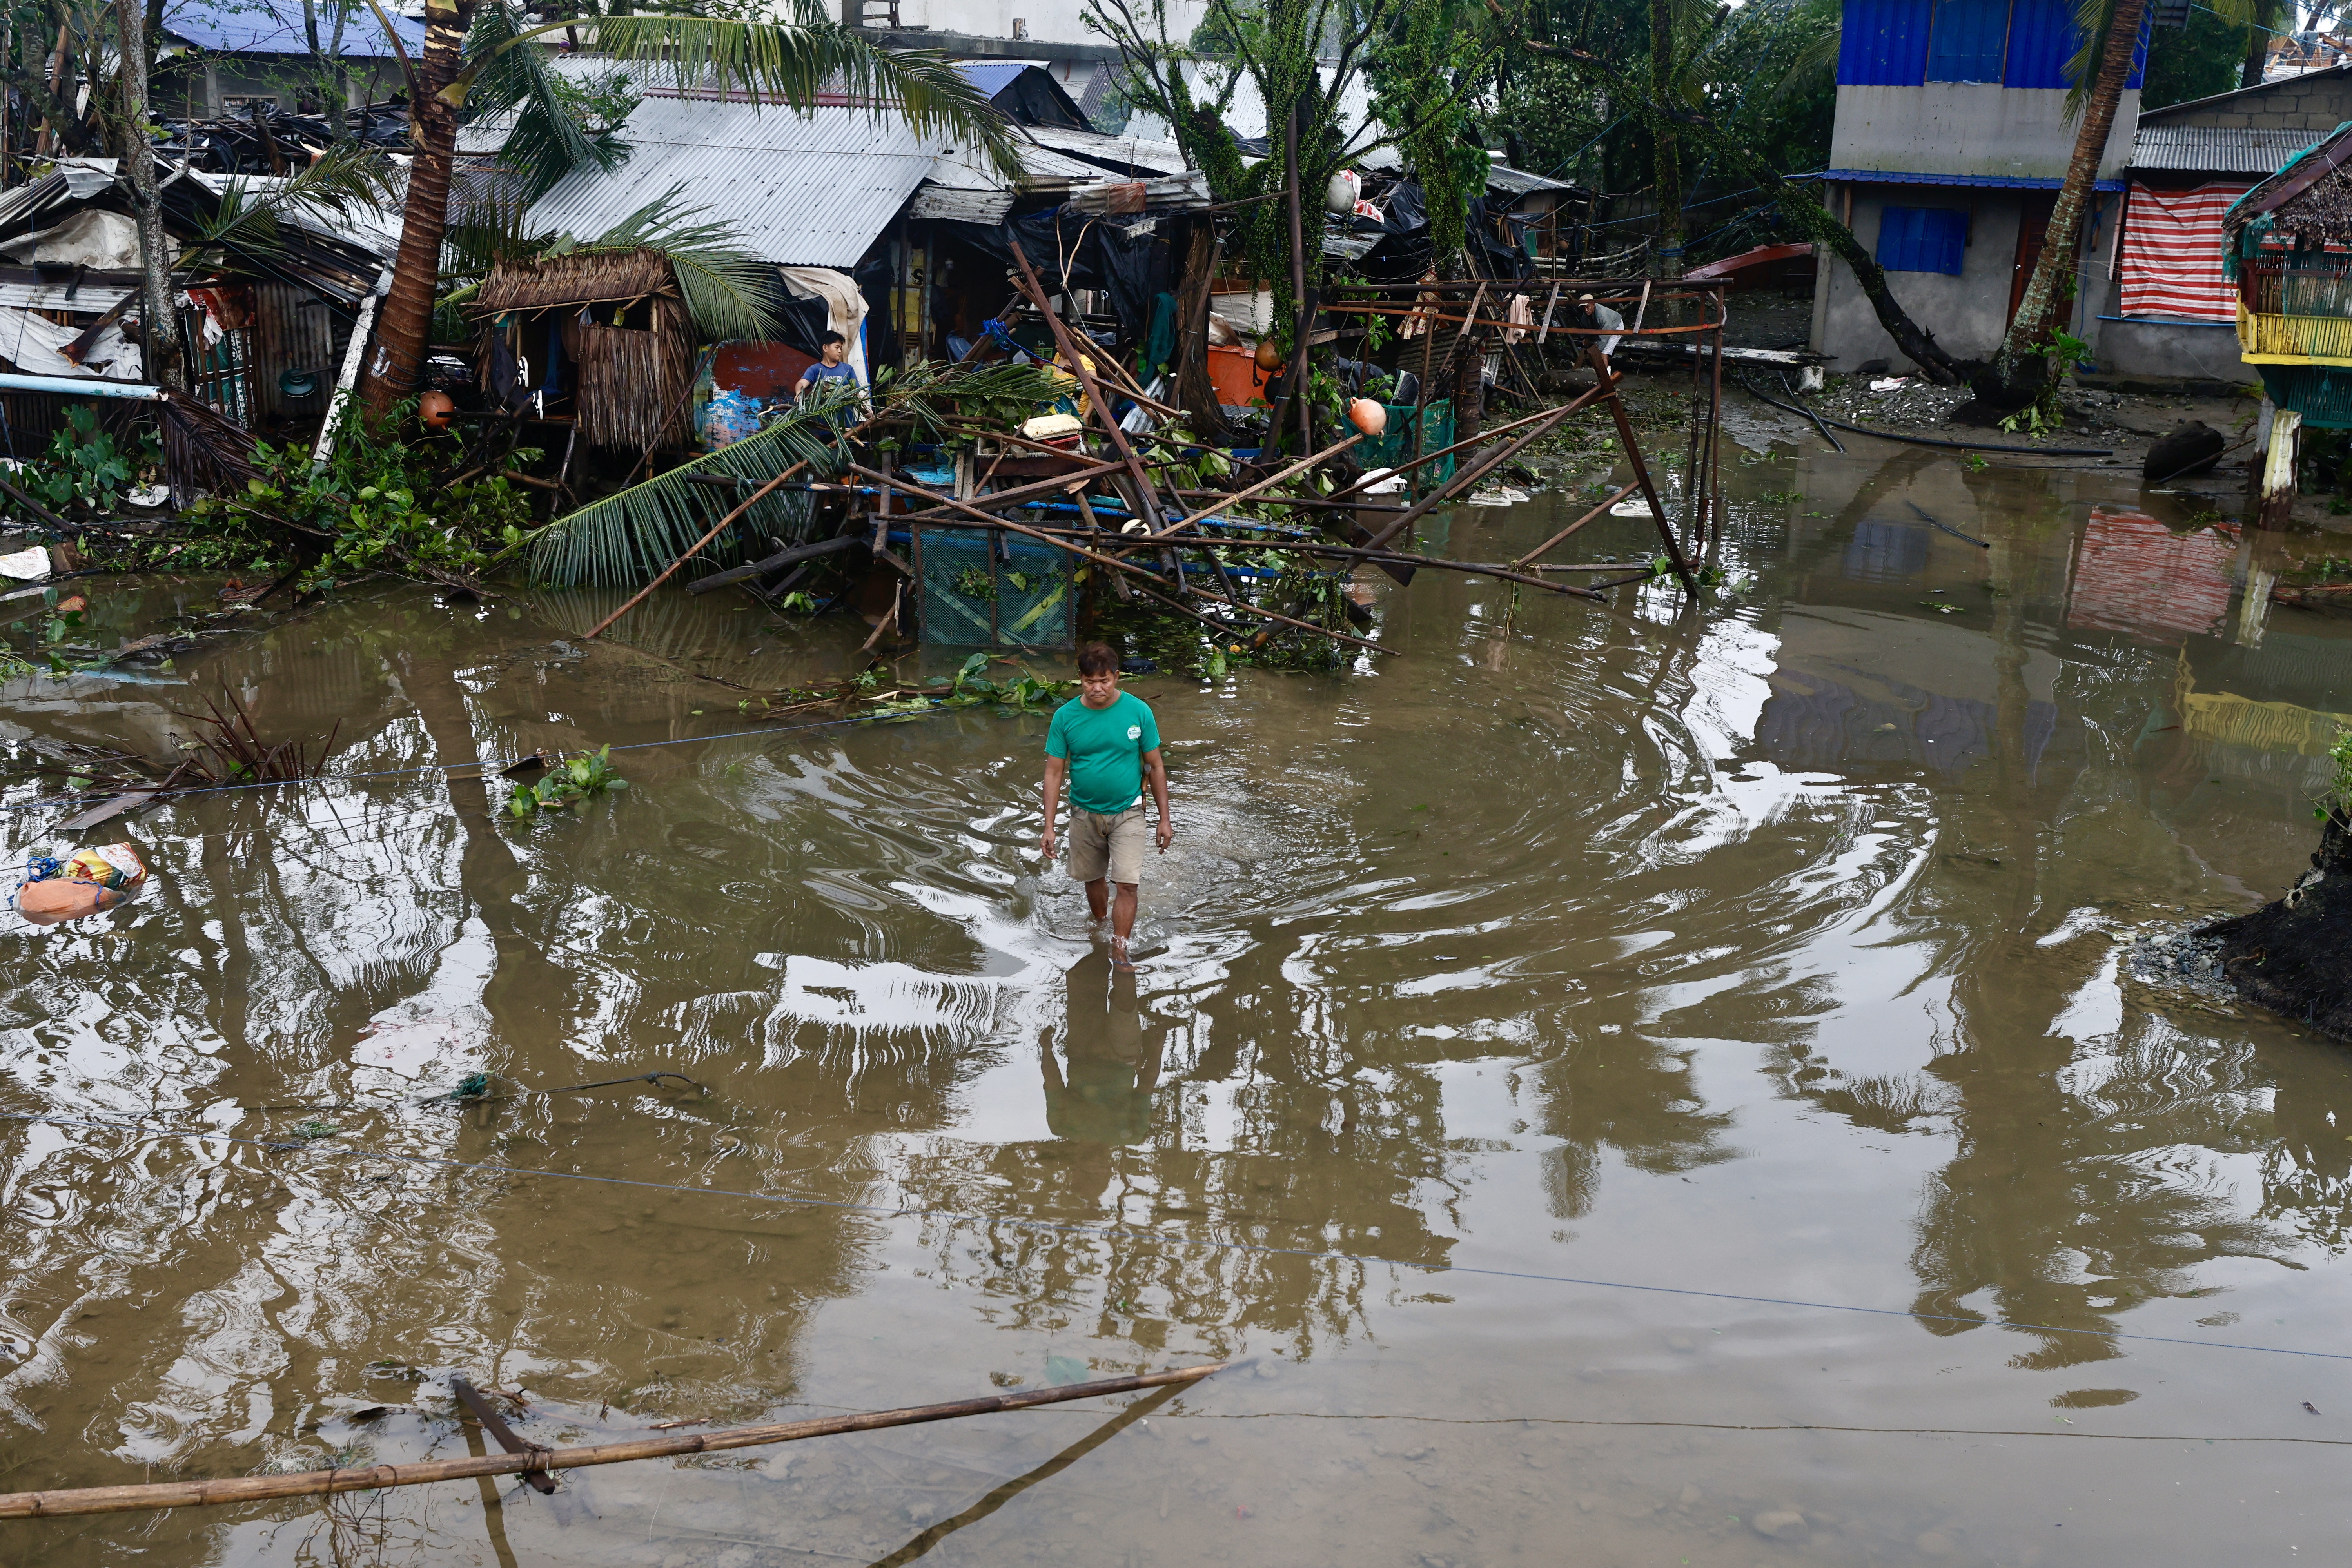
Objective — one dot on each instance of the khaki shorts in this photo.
(1112, 845)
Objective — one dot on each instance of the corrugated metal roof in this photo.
(93, 299)
(799, 190)
(2219, 148)
(275, 27)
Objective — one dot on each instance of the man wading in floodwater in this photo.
(1107, 742)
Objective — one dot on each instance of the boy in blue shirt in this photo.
(828, 368)
(1107, 744)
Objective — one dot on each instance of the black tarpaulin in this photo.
(1126, 258)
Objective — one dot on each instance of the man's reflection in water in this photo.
(1105, 1095)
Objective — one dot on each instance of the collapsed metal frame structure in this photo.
(1156, 541)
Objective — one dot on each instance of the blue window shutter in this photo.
(1923, 240)
(1944, 241)
(1882, 42)
(1898, 229)
(1967, 40)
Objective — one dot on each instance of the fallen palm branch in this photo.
(325, 1483)
(235, 753)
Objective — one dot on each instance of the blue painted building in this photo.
(1950, 142)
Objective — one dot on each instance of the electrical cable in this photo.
(492, 766)
(1164, 1238)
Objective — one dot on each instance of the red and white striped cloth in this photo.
(2172, 253)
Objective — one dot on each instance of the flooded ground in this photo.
(1551, 1028)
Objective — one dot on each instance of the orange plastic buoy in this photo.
(434, 410)
(1269, 356)
(1368, 416)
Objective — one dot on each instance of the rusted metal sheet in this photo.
(294, 330)
(767, 372)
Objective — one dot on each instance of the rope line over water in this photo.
(490, 767)
(1175, 1238)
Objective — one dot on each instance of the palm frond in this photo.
(246, 218)
(797, 64)
(2092, 19)
(728, 290)
(547, 140)
(483, 233)
(626, 538)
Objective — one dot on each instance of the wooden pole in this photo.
(1715, 435)
(496, 1425)
(2278, 467)
(325, 1483)
(1147, 500)
(692, 549)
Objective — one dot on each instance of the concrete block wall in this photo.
(2307, 104)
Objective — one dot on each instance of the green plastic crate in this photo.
(1395, 445)
(980, 589)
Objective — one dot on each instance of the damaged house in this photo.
(260, 328)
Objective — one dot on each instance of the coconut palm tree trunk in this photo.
(160, 325)
(2017, 368)
(2263, 15)
(405, 328)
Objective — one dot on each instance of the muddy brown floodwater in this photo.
(1550, 1026)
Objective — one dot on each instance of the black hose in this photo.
(1931, 441)
(1808, 413)
(1948, 528)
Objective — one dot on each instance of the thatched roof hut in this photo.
(2307, 204)
(623, 329)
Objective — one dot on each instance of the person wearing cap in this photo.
(1591, 314)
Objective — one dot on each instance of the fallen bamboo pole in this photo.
(323, 1483)
(1268, 483)
(1146, 498)
(1470, 473)
(1508, 572)
(1036, 491)
(1633, 445)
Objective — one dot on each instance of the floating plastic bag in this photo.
(87, 882)
(27, 565)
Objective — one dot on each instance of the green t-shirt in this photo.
(1104, 747)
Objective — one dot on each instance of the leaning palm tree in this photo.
(482, 51)
(2021, 371)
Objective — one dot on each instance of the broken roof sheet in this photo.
(275, 27)
(1118, 154)
(801, 190)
